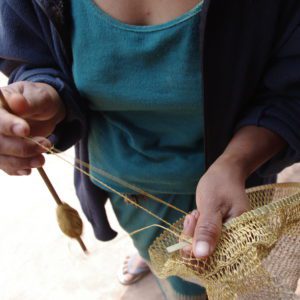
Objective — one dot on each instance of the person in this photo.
(191, 101)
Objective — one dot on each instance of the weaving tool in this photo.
(68, 218)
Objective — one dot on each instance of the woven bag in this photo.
(258, 255)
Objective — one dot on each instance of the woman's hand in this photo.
(220, 193)
(28, 109)
(220, 196)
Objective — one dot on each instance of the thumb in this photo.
(207, 232)
(16, 103)
(13, 100)
(10, 123)
(31, 101)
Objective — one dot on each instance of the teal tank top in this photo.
(143, 85)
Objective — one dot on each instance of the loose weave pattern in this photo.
(258, 255)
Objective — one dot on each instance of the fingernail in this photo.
(202, 249)
(195, 213)
(18, 129)
(35, 163)
(23, 172)
(186, 222)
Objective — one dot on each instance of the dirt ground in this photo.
(38, 263)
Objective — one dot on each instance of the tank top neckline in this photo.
(144, 28)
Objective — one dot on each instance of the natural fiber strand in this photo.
(258, 253)
(110, 188)
(120, 181)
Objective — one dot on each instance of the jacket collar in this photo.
(54, 10)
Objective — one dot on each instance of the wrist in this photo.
(235, 166)
(250, 148)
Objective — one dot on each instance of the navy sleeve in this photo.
(32, 50)
(278, 103)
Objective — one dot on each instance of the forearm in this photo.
(220, 194)
(251, 147)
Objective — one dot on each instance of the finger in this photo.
(41, 128)
(25, 172)
(207, 232)
(242, 206)
(12, 125)
(190, 224)
(11, 165)
(30, 100)
(37, 101)
(189, 229)
(27, 107)
(18, 147)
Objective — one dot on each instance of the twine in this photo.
(122, 182)
(253, 253)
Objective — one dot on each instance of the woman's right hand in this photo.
(28, 109)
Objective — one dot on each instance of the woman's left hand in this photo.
(220, 193)
(220, 196)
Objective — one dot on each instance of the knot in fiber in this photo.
(69, 220)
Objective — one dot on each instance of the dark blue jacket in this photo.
(250, 62)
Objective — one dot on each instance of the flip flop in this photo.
(136, 273)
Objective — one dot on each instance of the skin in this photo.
(220, 194)
(34, 109)
(145, 12)
(30, 109)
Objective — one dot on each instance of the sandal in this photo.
(136, 272)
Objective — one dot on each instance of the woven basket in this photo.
(258, 255)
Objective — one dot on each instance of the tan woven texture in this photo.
(258, 255)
